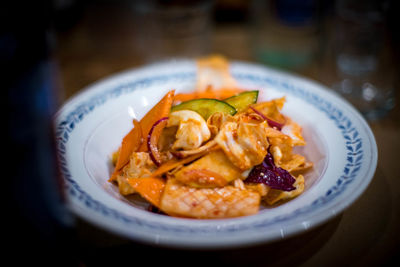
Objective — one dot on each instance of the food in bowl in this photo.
(217, 152)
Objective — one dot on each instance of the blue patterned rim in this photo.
(353, 143)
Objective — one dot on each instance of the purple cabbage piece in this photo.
(275, 177)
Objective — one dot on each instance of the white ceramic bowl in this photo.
(90, 126)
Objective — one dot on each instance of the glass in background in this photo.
(284, 33)
(174, 28)
(363, 69)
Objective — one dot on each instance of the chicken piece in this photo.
(123, 186)
(245, 144)
(192, 129)
(140, 165)
(208, 203)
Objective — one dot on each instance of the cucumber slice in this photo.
(243, 100)
(205, 107)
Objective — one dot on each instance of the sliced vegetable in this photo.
(243, 100)
(215, 162)
(271, 122)
(160, 110)
(220, 94)
(206, 107)
(152, 140)
(150, 188)
(270, 110)
(275, 177)
(130, 143)
(209, 146)
(174, 163)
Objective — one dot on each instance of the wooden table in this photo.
(367, 233)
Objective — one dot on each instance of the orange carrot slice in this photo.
(150, 188)
(160, 110)
(130, 143)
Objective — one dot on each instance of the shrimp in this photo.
(192, 129)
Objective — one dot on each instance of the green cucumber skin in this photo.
(243, 100)
(205, 107)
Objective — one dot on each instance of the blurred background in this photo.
(52, 49)
(346, 44)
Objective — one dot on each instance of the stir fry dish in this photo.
(217, 152)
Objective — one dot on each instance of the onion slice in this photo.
(152, 140)
(185, 153)
(271, 122)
